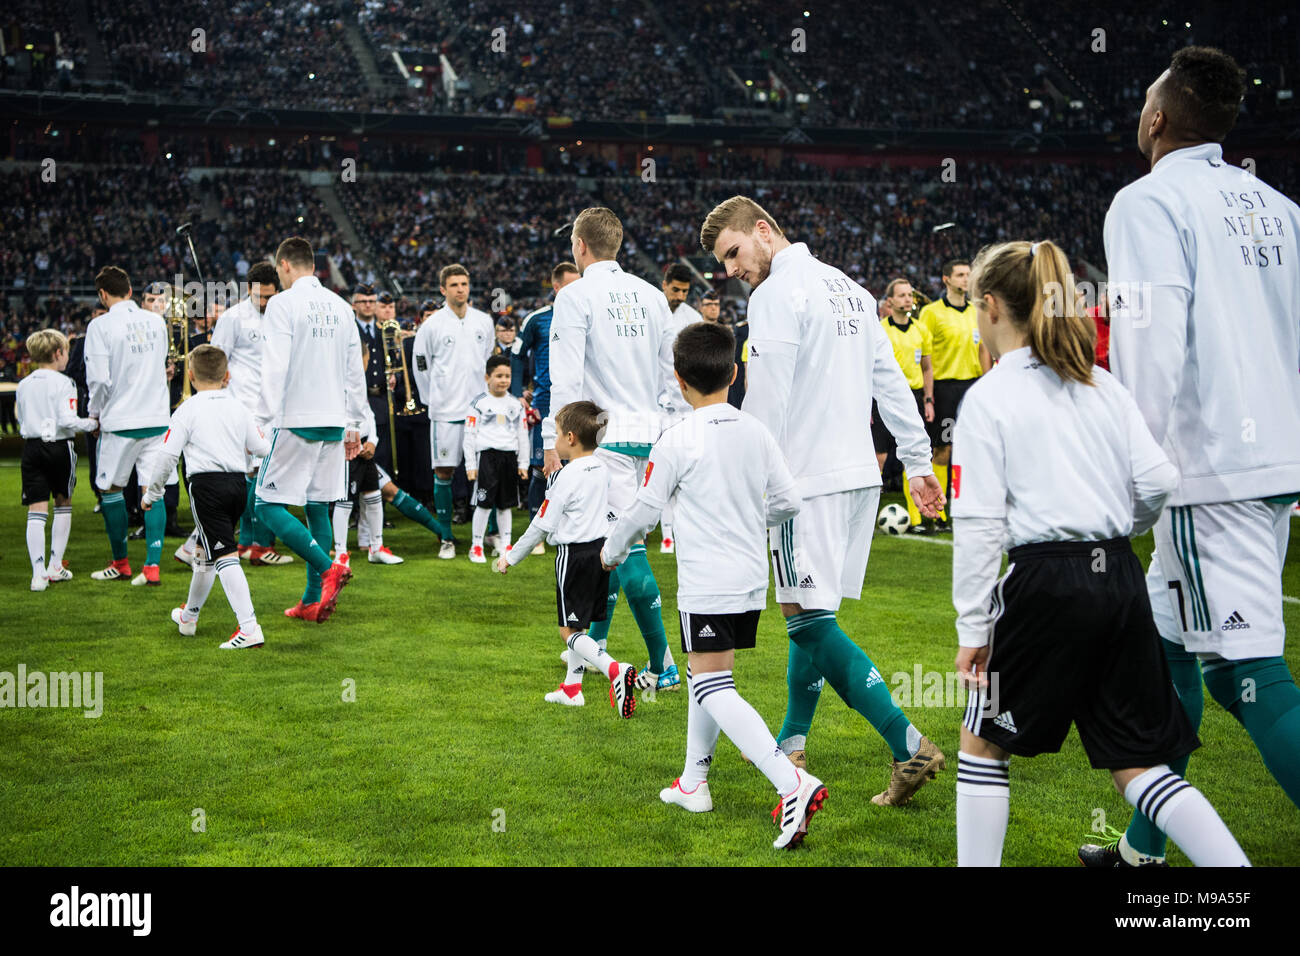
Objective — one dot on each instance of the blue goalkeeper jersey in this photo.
(534, 342)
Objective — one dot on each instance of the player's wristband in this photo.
(929, 400)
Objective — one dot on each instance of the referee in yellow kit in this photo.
(959, 359)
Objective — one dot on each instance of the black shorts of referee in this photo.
(948, 393)
(1074, 642)
(881, 436)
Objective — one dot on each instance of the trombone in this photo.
(178, 343)
(395, 358)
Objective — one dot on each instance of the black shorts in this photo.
(363, 475)
(1074, 641)
(497, 485)
(48, 468)
(948, 393)
(703, 633)
(217, 500)
(581, 584)
(880, 435)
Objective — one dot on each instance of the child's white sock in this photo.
(478, 526)
(576, 669)
(235, 585)
(701, 740)
(59, 530)
(36, 521)
(342, 515)
(983, 807)
(1186, 817)
(716, 693)
(200, 587)
(503, 529)
(582, 646)
(372, 506)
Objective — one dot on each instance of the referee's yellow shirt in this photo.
(956, 338)
(910, 342)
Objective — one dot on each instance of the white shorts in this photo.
(447, 440)
(625, 476)
(298, 471)
(118, 454)
(1163, 606)
(819, 557)
(1223, 565)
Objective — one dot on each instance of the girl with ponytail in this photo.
(1052, 460)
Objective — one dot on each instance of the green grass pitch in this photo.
(448, 755)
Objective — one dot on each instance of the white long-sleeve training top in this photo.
(312, 374)
(46, 407)
(612, 344)
(817, 357)
(1204, 294)
(729, 483)
(450, 356)
(126, 368)
(238, 333)
(1036, 458)
(497, 422)
(214, 430)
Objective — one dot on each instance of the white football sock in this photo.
(504, 526)
(582, 646)
(342, 515)
(200, 587)
(478, 525)
(576, 669)
(983, 807)
(701, 740)
(235, 585)
(372, 506)
(59, 530)
(716, 693)
(36, 521)
(1185, 816)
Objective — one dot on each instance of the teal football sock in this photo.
(803, 690)
(295, 534)
(599, 630)
(1261, 694)
(638, 583)
(247, 536)
(155, 524)
(443, 505)
(113, 508)
(322, 532)
(1143, 835)
(417, 512)
(855, 678)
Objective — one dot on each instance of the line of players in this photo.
(1062, 461)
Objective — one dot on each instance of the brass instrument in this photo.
(919, 301)
(178, 341)
(395, 357)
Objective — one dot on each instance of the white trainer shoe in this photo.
(187, 628)
(242, 639)
(59, 574)
(697, 801)
(476, 554)
(558, 696)
(541, 548)
(40, 582)
(447, 551)
(797, 808)
(184, 555)
(666, 546)
(384, 556)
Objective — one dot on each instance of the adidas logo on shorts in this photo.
(573, 617)
(807, 582)
(1234, 623)
(270, 486)
(706, 631)
(1004, 721)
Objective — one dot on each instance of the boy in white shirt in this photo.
(216, 433)
(496, 452)
(575, 517)
(730, 483)
(46, 405)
